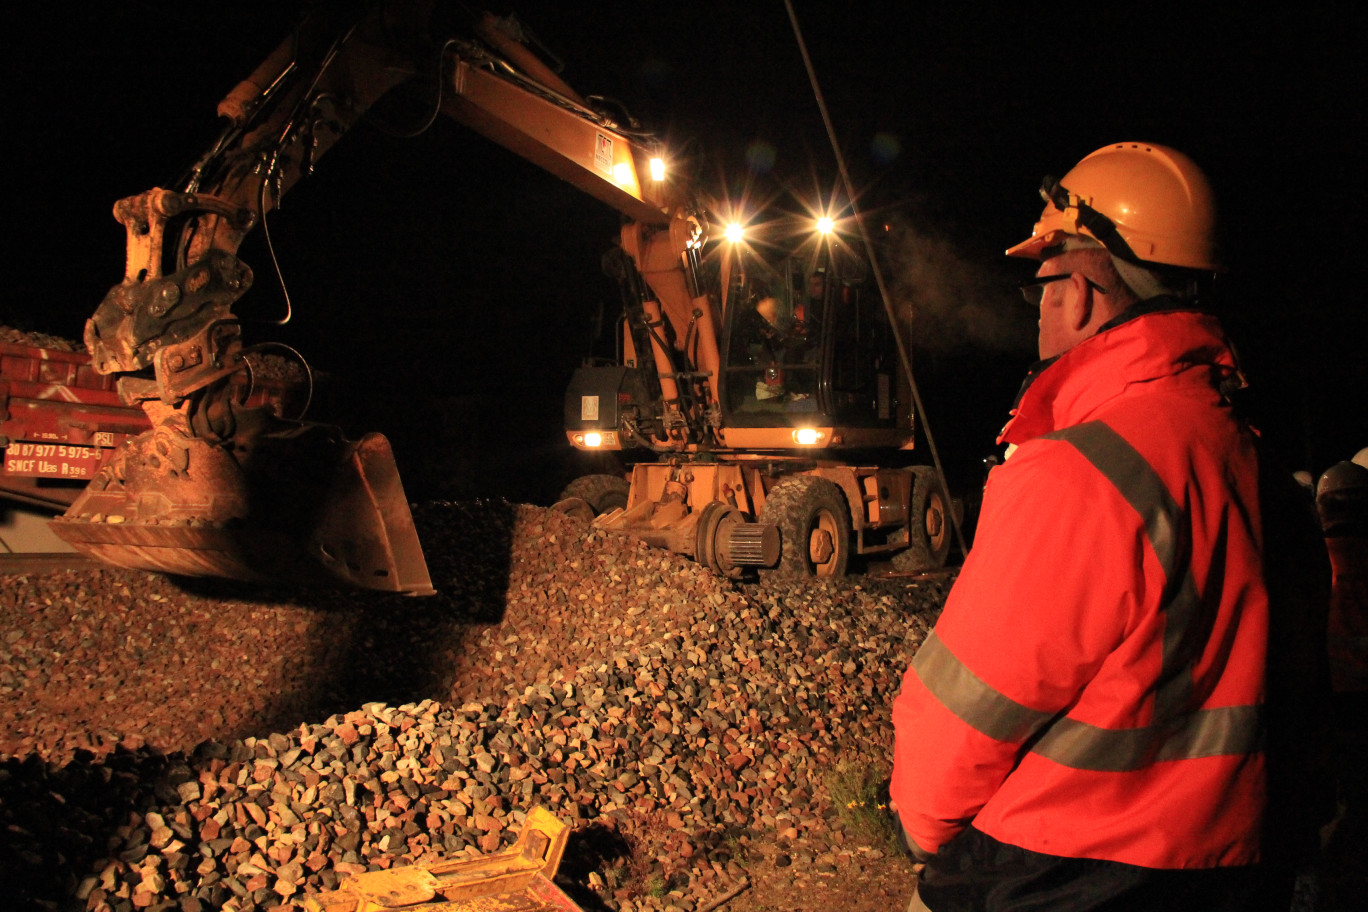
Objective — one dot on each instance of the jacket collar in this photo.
(1153, 340)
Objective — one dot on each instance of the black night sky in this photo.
(450, 288)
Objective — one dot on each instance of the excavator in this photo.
(744, 388)
(753, 411)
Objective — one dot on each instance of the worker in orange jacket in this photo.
(1085, 726)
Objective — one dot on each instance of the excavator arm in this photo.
(217, 488)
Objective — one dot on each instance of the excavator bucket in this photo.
(518, 879)
(295, 503)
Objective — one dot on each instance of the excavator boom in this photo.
(218, 488)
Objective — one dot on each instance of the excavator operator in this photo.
(1086, 727)
(768, 349)
(809, 311)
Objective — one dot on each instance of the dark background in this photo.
(445, 289)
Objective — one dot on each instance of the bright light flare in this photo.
(825, 225)
(808, 436)
(593, 439)
(657, 169)
(622, 174)
(734, 232)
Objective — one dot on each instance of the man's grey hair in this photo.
(1142, 282)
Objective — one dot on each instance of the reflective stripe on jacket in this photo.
(1094, 687)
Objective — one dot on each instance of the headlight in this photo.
(808, 436)
(593, 440)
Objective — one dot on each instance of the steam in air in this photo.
(952, 304)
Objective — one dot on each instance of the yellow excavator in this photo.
(745, 388)
(755, 413)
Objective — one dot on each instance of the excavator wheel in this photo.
(603, 493)
(930, 525)
(814, 527)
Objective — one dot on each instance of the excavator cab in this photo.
(806, 345)
(768, 346)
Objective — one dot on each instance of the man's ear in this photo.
(1078, 303)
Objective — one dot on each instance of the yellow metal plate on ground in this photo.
(517, 879)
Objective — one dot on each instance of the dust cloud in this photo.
(951, 303)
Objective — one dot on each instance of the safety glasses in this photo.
(1033, 290)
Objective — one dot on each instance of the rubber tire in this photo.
(575, 508)
(602, 493)
(928, 510)
(799, 506)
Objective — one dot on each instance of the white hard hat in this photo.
(1341, 478)
(1342, 497)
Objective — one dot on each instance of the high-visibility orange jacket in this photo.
(1094, 686)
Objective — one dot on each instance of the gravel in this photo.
(17, 336)
(197, 745)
